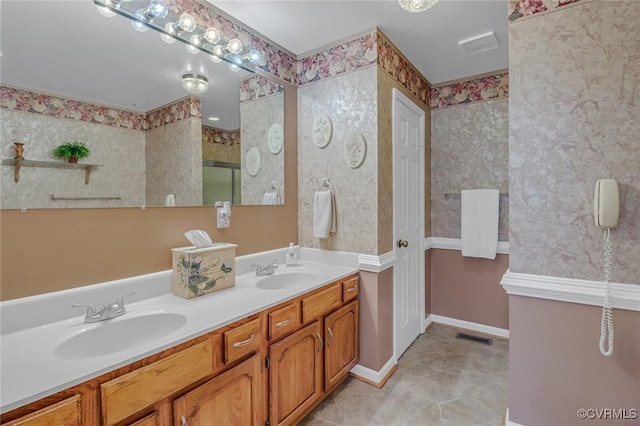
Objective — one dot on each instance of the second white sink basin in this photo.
(118, 334)
(285, 280)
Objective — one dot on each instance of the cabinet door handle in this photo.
(285, 322)
(330, 336)
(354, 288)
(321, 342)
(183, 421)
(244, 342)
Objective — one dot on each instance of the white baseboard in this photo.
(467, 325)
(373, 376)
(509, 422)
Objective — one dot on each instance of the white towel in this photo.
(324, 214)
(479, 223)
(271, 198)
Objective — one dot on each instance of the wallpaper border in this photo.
(474, 89)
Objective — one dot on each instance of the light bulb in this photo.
(187, 22)
(192, 49)
(139, 26)
(105, 11)
(234, 46)
(167, 38)
(219, 51)
(156, 9)
(215, 59)
(254, 56)
(211, 35)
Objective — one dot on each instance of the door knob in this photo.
(403, 243)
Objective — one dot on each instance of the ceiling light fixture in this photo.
(213, 118)
(195, 83)
(184, 27)
(415, 6)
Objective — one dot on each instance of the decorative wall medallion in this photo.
(322, 131)
(355, 150)
(252, 161)
(275, 138)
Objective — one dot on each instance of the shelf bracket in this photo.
(87, 174)
(16, 172)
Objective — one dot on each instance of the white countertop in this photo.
(31, 370)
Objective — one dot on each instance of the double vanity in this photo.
(263, 352)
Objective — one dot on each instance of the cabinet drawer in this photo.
(65, 413)
(128, 394)
(350, 289)
(242, 340)
(284, 320)
(322, 302)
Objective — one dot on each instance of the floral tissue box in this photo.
(200, 271)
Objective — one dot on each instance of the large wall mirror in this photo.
(70, 74)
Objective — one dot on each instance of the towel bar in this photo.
(448, 192)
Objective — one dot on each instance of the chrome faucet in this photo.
(109, 311)
(267, 270)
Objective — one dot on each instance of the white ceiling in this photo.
(428, 39)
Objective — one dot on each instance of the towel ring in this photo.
(326, 183)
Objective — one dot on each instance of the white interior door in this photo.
(408, 221)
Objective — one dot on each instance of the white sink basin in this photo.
(119, 334)
(285, 280)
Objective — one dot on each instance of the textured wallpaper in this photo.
(256, 119)
(469, 150)
(220, 145)
(574, 108)
(119, 150)
(174, 163)
(350, 101)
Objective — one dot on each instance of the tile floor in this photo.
(440, 380)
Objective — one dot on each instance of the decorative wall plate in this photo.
(275, 138)
(322, 131)
(355, 150)
(252, 161)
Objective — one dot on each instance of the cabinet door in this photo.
(295, 377)
(150, 420)
(232, 398)
(341, 344)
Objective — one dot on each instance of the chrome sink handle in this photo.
(109, 311)
(266, 270)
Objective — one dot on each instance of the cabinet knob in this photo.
(403, 243)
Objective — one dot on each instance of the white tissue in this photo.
(198, 238)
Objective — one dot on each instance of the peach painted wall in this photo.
(48, 250)
(376, 318)
(468, 288)
(555, 366)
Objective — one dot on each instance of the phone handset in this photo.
(606, 205)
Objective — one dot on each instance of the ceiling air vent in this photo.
(478, 44)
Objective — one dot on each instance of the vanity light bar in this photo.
(208, 40)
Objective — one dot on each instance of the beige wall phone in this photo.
(606, 205)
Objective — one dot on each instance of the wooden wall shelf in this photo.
(18, 164)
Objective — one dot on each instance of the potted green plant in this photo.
(72, 151)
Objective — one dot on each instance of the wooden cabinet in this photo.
(341, 344)
(219, 378)
(295, 376)
(64, 413)
(232, 398)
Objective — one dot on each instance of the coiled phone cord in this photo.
(606, 326)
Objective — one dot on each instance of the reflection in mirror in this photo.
(78, 76)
